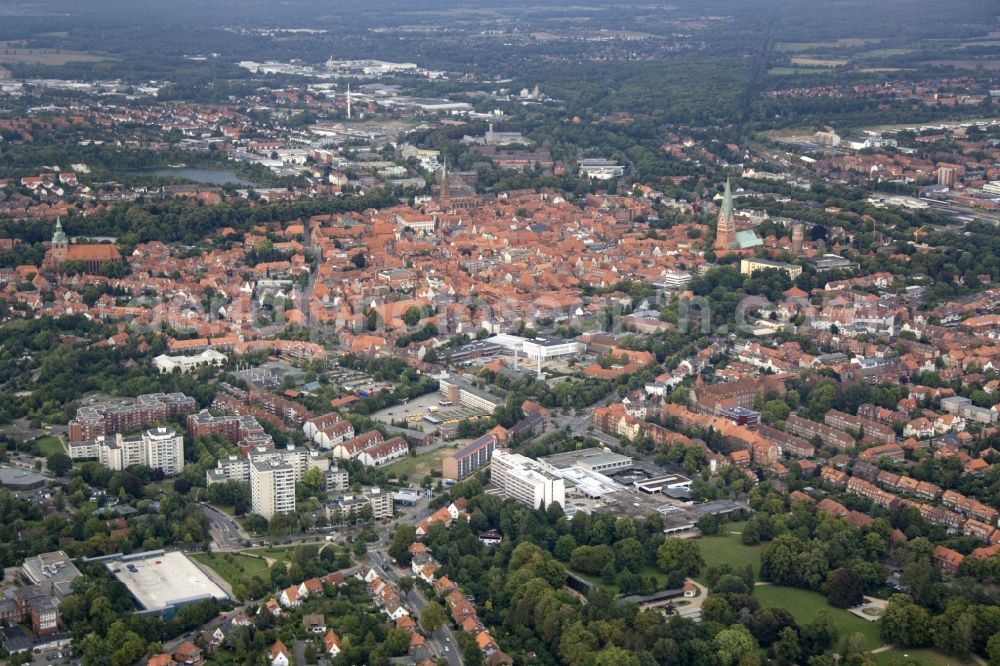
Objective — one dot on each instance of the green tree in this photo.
(906, 624)
(681, 556)
(845, 589)
(731, 644)
(787, 650)
(403, 536)
(59, 463)
(433, 617)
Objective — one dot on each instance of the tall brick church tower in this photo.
(725, 230)
(60, 243)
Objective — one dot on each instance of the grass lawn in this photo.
(415, 468)
(646, 572)
(235, 567)
(49, 445)
(805, 605)
(280, 553)
(726, 548)
(926, 657)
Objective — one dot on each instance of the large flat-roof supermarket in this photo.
(161, 581)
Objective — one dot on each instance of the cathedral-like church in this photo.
(727, 239)
(91, 255)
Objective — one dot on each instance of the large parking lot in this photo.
(417, 406)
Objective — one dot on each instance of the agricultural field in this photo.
(54, 57)
(809, 46)
(987, 65)
(817, 62)
(790, 71)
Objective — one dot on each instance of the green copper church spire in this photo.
(59, 236)
(727, 202)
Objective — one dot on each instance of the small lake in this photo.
(203, 176)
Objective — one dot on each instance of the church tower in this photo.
(725, 230)
(444, 180)
(60, 243)
(797, 234)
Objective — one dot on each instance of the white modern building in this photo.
(525, 480)
(166, 363)
(156, 448)
(601, 169)
(544, 349)
(272, 487)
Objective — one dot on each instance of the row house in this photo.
(878, 414)
(938, 515)
(809, 429)
(331, 436)
(870, 429)
(352, 448)
(317, 423)
(834, 476)
(788, 445)
(978, 530)
(384, 452)
(970, 507)
(947, 560)
(870, 491)
(894, 452)
(909, 486)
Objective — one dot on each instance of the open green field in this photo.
(807, 61)
(925, 657)
(49, 445)
(885, 53)
(278, 554)
(235, 568)
(417, 467)
(13, 54)
(791, 71)
(989, 43)
(726, 548)
(805, 605)
(808, 46)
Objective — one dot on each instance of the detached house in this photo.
(331, 643)
(290, 597)
(280, 656)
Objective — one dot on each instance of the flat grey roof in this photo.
(15, 477)
(160, 580)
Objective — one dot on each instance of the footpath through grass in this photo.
(49, 445)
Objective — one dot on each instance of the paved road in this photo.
(442, 642)
(227, 534)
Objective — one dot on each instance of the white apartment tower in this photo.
(272, 486)
(157, 448)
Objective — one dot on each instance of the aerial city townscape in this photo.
(444, 333)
